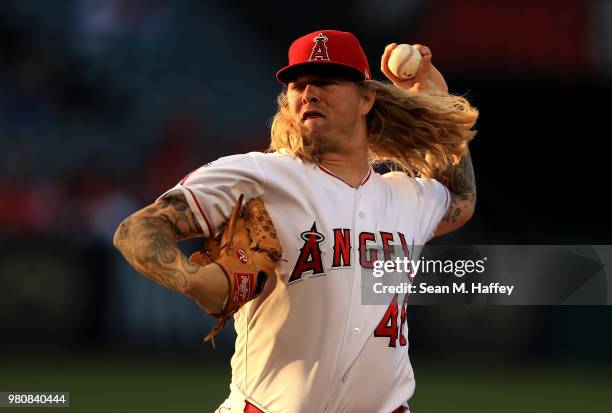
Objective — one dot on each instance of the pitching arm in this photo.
(461, 183)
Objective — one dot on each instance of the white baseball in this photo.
(404, 61)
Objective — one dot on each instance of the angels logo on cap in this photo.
(332, 49)
(319, 50)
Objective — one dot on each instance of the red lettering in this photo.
(387, 327)
(387, 243)
(402, 338)
(342, 247)
(365, 262)
(404, 245)
(310, 254)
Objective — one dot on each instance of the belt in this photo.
(249, 408)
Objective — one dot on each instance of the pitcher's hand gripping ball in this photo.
(404, 61)
(248, 251)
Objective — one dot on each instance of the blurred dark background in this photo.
(106, 104)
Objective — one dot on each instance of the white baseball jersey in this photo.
(308, 344)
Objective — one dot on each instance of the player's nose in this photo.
(310, 95)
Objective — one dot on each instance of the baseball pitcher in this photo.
(288, 231)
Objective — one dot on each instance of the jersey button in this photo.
(356, 331)
(362, 215)
(343, 379)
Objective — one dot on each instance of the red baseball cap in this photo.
(332, 48)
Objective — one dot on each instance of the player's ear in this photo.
(368, 95)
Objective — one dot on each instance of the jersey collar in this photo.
(327, 171)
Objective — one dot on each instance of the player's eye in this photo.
(323, 82)
(296, 86)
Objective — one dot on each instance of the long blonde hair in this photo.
(416, 132)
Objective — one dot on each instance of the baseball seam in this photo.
(405, 60)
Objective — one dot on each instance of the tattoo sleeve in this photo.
(148, 240)
(461, 182)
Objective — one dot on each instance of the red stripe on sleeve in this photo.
(210, 231)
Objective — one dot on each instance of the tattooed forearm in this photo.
(461, 182)
(459, 179)
(148, 241)
(177, 212)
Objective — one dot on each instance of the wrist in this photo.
(209, 288)
(427, 85)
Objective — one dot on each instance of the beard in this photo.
(320, 141)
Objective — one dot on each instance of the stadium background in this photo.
(105, 104)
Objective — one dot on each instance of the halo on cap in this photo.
(328, 53)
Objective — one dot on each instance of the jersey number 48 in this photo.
(387, 327)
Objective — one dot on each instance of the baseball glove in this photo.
(248, 251)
